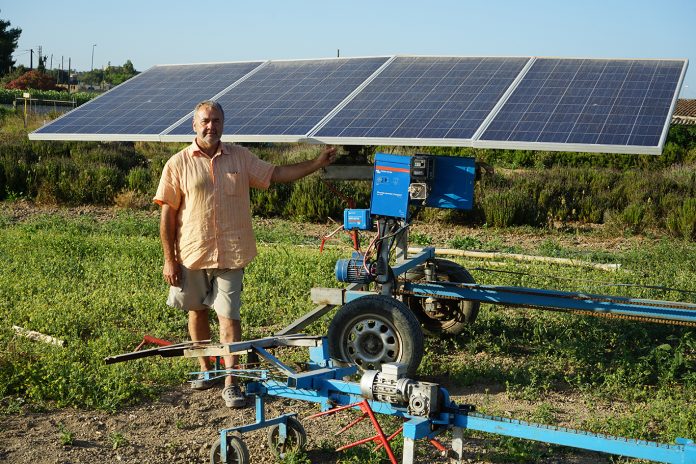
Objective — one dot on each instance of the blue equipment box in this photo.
(451, 187)
(390, 182)
(357, 219)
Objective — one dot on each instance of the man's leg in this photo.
(230, 332)
(199, 329)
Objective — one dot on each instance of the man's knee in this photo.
(230, 329)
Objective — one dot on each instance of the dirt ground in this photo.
(181, 425)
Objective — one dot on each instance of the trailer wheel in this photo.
(296, 437)
(237, 451)
(443, 315)
(376, 329)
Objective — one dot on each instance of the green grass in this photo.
(97, 285)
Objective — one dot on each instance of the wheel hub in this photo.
(372, 343)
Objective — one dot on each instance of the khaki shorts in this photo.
(220, 289)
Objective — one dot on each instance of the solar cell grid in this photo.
(600, 102)
(290, 97)
(426, 97)
(150, 102)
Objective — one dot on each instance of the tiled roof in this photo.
(685, 112)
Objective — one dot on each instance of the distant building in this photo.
(685, 112)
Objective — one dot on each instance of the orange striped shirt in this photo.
(211, 196)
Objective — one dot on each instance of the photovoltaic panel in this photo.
(147, 104)
(284, 100)
(423, 98)
(589, 105)
(566, 104)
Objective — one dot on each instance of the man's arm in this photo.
(171, 269)
(291, 172)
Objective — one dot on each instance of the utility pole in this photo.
(92, 68)
(31, 58)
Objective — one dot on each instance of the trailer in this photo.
(392, 297)
(426, 409)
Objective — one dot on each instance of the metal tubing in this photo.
(554, 299)
(677, 454)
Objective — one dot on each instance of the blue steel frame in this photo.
(538, 298)
(322, 384)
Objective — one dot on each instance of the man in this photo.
(206, 230)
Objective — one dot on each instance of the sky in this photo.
(151, 32)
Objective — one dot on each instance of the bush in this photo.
(139, 180)
(33, 79)
(504, 209)
(310, 200)
(682, 221)
(633, 216)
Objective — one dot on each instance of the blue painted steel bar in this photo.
(323, 385)
(554, 299)
(418, 258)
(677, 454)
(332, 393)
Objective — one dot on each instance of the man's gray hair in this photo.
(209, 104)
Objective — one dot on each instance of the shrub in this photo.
(139, 180)
(310, 200)
(33, 79)
(504, 209)
(633, 217)
(682, 221)
(129, 199)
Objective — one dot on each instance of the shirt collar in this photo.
(196, 150)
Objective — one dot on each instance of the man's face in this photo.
(208, 124)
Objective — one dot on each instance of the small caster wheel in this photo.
(296, 438)
(237, 451)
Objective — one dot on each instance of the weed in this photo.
(296, 457)
(67, 437)
(510, 449)
(117, 440)
(420, 239)
(465, 243)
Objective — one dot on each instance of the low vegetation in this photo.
(538, 189)
(96, 285)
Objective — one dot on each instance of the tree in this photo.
(33, 79)
(8, 44)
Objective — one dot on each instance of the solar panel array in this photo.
(146, 105)
(431, 98)
(595, 102)
(290, 97)
(599, 105)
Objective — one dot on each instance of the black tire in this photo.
(374, 330)
(237, 451)
(453, 315)
(296, 438)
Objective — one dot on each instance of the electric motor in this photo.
(390, 386)
(352, 271)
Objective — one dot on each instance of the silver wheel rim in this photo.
(370, 342)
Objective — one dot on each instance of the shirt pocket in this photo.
(231, 183)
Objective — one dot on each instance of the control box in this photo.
(357, 219)
(425, 180)
(390, 182)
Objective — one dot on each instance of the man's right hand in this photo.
(172, 273)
